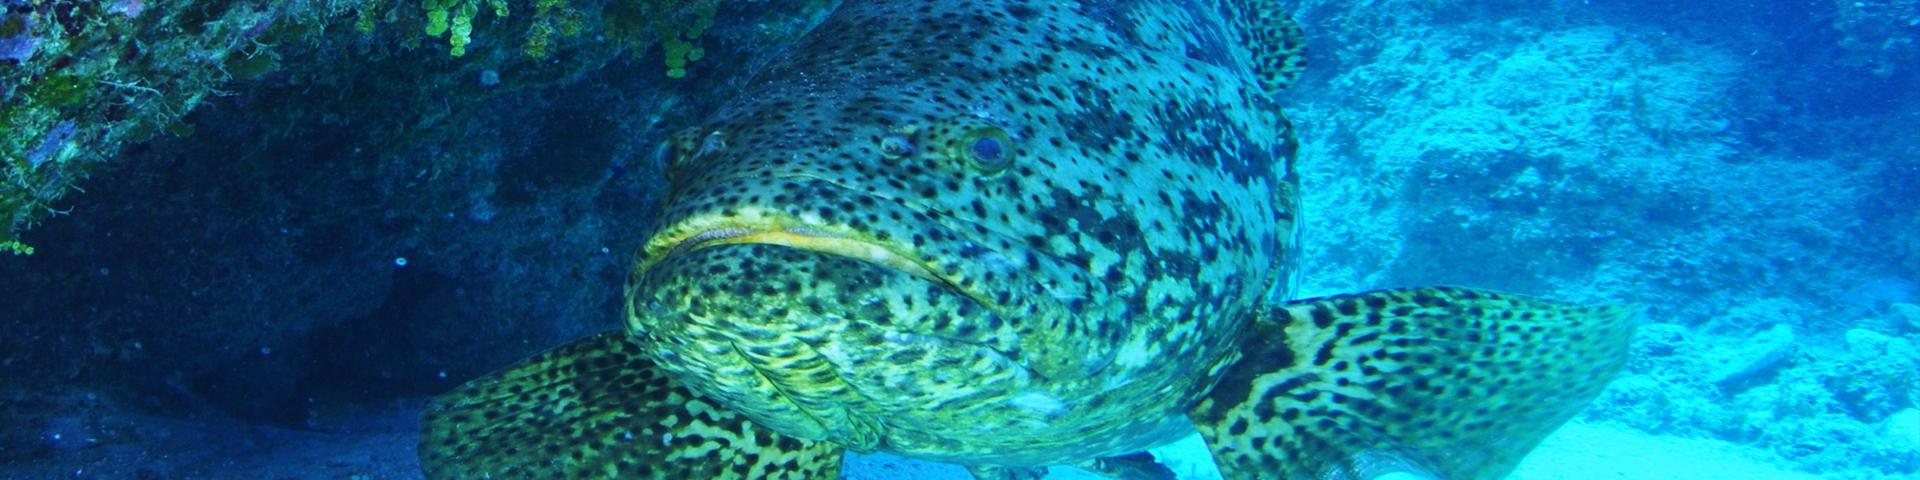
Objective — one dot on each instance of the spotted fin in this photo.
(1434, 382)
(597, 408)
(1278, 44)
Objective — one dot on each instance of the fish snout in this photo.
(817, 344)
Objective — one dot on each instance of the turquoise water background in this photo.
(1746, 170)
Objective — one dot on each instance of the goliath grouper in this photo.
(1011, 234)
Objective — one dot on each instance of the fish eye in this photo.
(664, 155)
(988, 149)
(896, 145)
(674, 153)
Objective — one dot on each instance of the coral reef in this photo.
(83, 79)
(1597, 153)
(305, 238)
(1881, 36)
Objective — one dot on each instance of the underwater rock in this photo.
(1750, 318)
(1878, 375)
(1759, 358)
(1903, 428)
(1659, 340)
(1643, 402)
(1908, 312)
(1896, 319)
(1901, 444)
(1877, 36)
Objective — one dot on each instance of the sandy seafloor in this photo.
(381, 447)
(1747, 171)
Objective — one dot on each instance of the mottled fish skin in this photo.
(987, 232)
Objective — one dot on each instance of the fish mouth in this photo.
(812, 343)
(799, 238)
(804, 333)
(1047, 302)
(897, 244)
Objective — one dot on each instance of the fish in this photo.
(1011, 234)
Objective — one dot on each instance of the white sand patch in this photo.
(1575, 452)
(1584, 451)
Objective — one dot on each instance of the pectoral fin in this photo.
(1434, 382)
(1278, 44)
(598, 408)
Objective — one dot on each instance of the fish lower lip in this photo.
(720, 236)
(809, 240)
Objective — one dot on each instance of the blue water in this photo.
(274, 295)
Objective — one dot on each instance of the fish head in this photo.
(918, 223)
(817, 258)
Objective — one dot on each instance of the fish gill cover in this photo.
(218, 198)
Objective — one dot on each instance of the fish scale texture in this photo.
(596, 408)
(1449, 382)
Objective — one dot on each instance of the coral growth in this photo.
(1881, 36)
(1617, 159)
(84, 80)
(241, 261)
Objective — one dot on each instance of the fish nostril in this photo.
(714, 142)
(896, 145)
